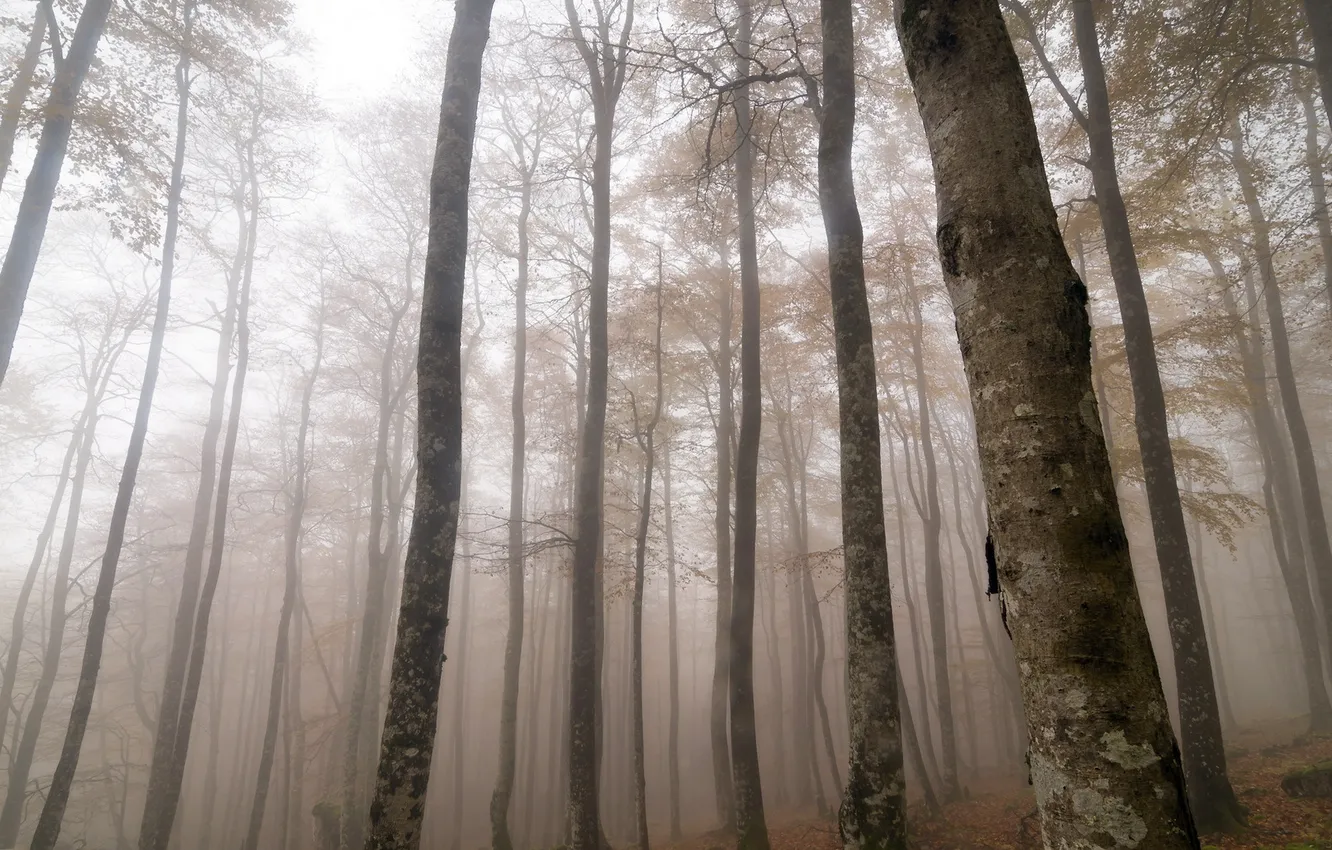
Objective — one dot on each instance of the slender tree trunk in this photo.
(38, 195)
(20, 766)
(418, 656)
(1280, 493)
(157, 833)
(1319, 15)
(1313, 159)
(932, 523)
(1213, 800)
(873, 810)
(18, 631)
(1306, 468)
(673, 647)
(1072, 607)
(719, 723)
(57, 794)
(513, 647)
(291, 591)
(19, 90)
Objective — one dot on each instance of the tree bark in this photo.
(19, 90)
(719, 722)
(1213, 800)
(873, 810)
(1104, 762)
(1313, 160)
(418, 656)
(38, 195)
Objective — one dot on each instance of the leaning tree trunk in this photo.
(30, 226)
(513, 646)
(1104, 762)
(291, 546)
(1213, 800)
(418, 655)
(57, 794)
(1313, 161)
(1306, 467)
(873, 811)
(19, 90)
(749, 820)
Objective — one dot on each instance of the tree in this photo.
(604, 60)
(1100, 728)
(39, 193)
(1319, 15)
(24, 77)
(1213, 800)
(873, 813)
(418, 654)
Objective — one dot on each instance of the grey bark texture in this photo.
(408, 740)
(873, 810)
(1104, 762)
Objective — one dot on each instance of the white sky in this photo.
(362, 47)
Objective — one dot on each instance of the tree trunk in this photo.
(1066, 581)
(513, 647)
(157, 832)
(19, 90)
(873, 810)
(57, 794)
(30, 226)
(1213, 800)
(673, 648)
(1320, 550)
(20, 766)
(291, 591)
(719, 723)
(646, 443)
(1319, 15)
(1279, 491)
(1313, 160)
(932, 522)
(459, 783)
(418, 655)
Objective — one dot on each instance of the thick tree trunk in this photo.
(291, 546)
(672, 650)
(1306, 467)
(38, 195)
(19, 90)
(418, 655)
(1104, 762)
(57, 794)
(873, 810)
(1214, 803)
(1319, 15)
(513, 647)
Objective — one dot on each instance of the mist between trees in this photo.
(587, 458)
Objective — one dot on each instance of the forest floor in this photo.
(1006, 820)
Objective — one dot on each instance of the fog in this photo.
(668, 156)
